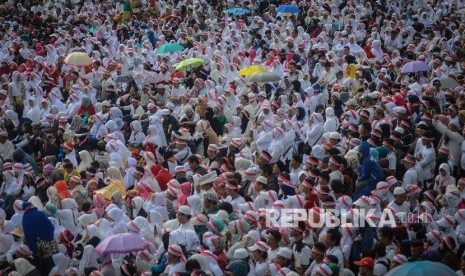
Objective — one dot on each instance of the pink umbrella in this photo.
(121, 243)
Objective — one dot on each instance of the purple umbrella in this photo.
(415, 66)
(121, 243)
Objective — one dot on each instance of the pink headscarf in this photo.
(185, 192)
(99, 205)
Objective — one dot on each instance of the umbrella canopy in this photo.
(237, 11)
(121, 243)
(190, 63)
(264, 77)
(421, 268)
(415, 66)
(251, 70)
(288, 9)
(169, 48)
(78, 59)
(448, 83)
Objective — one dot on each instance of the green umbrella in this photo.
(189, 64)
(169, 48)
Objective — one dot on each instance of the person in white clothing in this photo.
(175, 260)
(233, 194)
(411, 175)
(399, 204)
(333, 241)
(318, 254)
(185, 235)
(259, 254)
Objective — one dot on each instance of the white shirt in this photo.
(336, 251)
(185, 235)
(311, 271)
(405, 207)
(305, 255)
(427, 162)
(410, 177)
(172, 269)
(272, 254)
(260, 268)
(392, 158)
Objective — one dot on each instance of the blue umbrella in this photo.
(414, 67)
(238, 11)
(288, 9)
(421, 268)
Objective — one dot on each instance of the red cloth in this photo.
(221, 259)
(311, 201)
(90, 110)
(162, 175)
(62, 189)
(40, 50)
(367, 50)
(185, 192)
(462, 204)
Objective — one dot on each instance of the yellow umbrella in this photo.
(189, 63)
(251, 70)
(78, 59)
(114, 186)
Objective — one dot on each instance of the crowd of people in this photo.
(363, 109)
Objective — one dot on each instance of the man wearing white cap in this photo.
(284, 257)
(185, 235)
(400, 203)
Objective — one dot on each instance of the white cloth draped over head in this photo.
(88, 259)
(86, 160)
(23, 266)
(114, 173)
(61, 262)
(195, 202)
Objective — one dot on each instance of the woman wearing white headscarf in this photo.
(129, 179)
(56, 99)
(195, 202)
(33, 112)
(353, 46)
(118, 221)
(137, 136)
(376, 50)
(24, 267)
(276, 146)
(88, 259)
(61, 262)
(57, 228)
(98, 129)
(332, 122)
(154, 137)
(68, 216)
(102, 231)
(12, 116)
(85, 159)
(315, 130)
